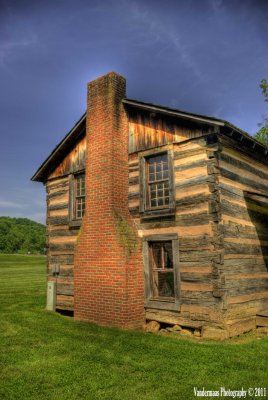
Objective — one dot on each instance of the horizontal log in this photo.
(235, 248)
(250, 241)
(57, 186)
(62, 233)
(243, 286)
(59, 206)
(62, 239)
(192, 159)
(245, 181)
(198, 180)
(133, 167)
(60, 253)
(261, 321)
(245, 309)
(203, 242)
(59, 220)
(59, 193)
(241, 148)
(196, 287)
(188, 153)
(202, 218)
(247, 297)
(61, 259)
(243, 266)
(196, 267)
(244, 276)
(134, 211)
(65, 302)
(61, 246)
(197, 255)
(243, 232)
(190, 165)
(58, 213)
(249, 205)
(66, 289)
(194, 200)
(196, 277)
(232, 209)
(244, 166)
(65, 270)
(133, 181)
(181, 176)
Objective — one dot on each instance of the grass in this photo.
(44, 355)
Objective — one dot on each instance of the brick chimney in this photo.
(108, 270)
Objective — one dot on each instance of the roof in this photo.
(78, 131)
(61, 149)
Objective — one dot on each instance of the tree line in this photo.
(21, 235)
(262, 134)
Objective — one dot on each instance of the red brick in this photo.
(108, 271)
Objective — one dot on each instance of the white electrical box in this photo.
(51, 296)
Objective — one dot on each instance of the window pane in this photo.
(153, 194)
(158, 168)
(79, 199)
(162, 255)
(164, 284)
(165, 175)
(153, 203)
(166, 185)
(160, 192)
(157, 172)
(151, 168)
(158, 176)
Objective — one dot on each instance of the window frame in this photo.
(146, 210)
(150, 301)
(73, 220)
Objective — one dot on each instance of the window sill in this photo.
(75, 223)
(163, 304)
(162, 212)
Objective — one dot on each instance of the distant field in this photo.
(44, 355)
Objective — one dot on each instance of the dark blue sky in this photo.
(203, 56)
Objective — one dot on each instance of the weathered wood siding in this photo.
(244, 227)
(73, 162)
(60, 237)
(221, 226)
(148, 130)
(200, 255)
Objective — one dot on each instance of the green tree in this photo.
(262, 134)
(21, 235)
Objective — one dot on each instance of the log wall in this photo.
(243, 184)
(195, 222)
(61, 238)
(221, 220)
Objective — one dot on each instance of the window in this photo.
(77, 199)
(157, 179)
(156, 184)
(79, 196)
(161, 271)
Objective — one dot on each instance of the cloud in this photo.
(12, 204)
(12, 46)
(216, 5)
(166, 36)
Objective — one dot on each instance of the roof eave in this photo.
(169, 111)
(39, 176)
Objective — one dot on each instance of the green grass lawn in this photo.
(44, 355)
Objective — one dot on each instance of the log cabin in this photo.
(157, 214)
